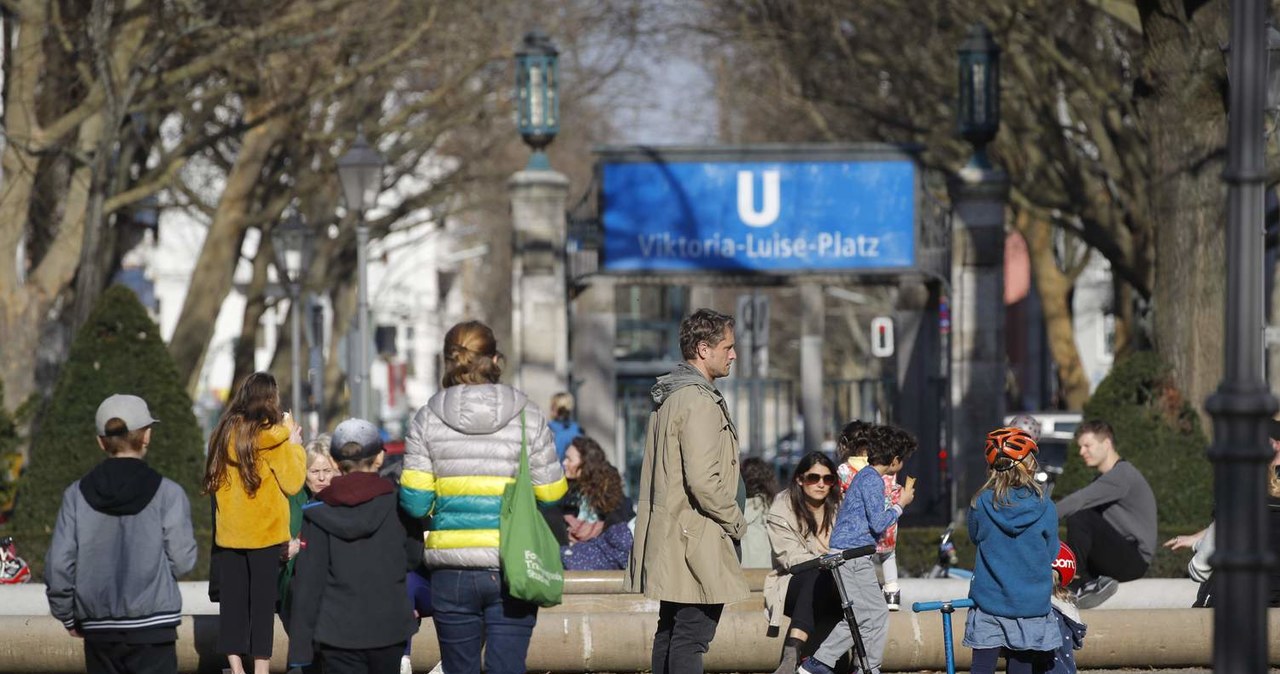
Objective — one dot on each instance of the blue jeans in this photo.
(473, 610)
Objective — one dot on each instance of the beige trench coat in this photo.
(790, 547)
(685, 529)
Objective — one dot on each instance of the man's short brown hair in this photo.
(1099, 428)
(120, 439)
(704, 325)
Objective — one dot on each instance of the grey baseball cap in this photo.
(132, 410)
(359, 431)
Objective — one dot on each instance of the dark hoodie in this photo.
(349, 587)
(1017, 543)
(122, 538)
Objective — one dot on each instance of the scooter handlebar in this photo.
(921, 606)
(833, 559)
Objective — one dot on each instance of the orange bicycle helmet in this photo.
(1012, 443)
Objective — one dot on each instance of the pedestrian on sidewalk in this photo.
(350, 600)
(689, 517)
(1015, 528)
(255, 463)
(122, 538)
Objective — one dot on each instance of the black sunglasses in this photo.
(814, 478)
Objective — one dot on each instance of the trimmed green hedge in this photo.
(118, 350)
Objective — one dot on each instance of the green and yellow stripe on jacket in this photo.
(462, 450)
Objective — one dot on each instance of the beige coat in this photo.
(685, 529)
(790, 547)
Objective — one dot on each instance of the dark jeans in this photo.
(1101, 550)
(1016, 662)
(684, 633)
(472, 611)
(812, 599)
(385, 660)
(247, 607)
(118, 657)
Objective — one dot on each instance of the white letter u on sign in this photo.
(770, 205)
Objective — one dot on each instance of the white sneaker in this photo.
(406, 666)
(438, 669)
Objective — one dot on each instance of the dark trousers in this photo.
(118, 657)
(684, 634)
(1016, 662)
(246, 609)
(385, 660)
(1101, 550)
(812, 599)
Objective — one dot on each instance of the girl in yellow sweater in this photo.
(255, 462)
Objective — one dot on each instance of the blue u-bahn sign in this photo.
(764, 209)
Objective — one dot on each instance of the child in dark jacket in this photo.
(1066, 613)
(863, 518)
(122, 538)
(1015, 528)
(349, 596)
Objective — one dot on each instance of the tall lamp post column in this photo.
(360, 171)
(1243, 403)
(979, 193)
(291, 242)
(539, 356)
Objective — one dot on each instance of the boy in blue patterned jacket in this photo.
(863, 518)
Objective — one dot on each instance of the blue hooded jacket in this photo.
(1017, 542)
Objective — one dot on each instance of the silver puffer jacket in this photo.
(462, 449)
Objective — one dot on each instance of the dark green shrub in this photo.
(117, 351)
(1158, 431)
(10, 456)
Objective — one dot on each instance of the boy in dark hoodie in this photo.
(349, 595)
(122, 538)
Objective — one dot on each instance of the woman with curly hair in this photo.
(597, 513)
(255, 463)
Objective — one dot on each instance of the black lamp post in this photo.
(1243, 403)
(978, 114)
(291, 241)
(360, 171)
(538, 95)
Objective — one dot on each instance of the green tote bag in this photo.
(529, 553)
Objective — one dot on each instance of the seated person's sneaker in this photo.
(813, 665)
(1095, 591)
(893, 599)
(406, 666)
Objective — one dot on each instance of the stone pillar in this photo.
(538, 358)
(595, 330)
(812, 331)
(978, 199)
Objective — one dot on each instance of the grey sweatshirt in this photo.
(122, 538)
(1126, 502)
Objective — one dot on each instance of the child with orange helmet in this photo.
(1014, 525)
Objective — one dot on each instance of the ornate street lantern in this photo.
(537, 95)
(978, 114)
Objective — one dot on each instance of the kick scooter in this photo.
(832, 562)
(946, 608)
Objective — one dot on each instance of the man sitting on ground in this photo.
(1111, 524)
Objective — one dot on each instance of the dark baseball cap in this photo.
(358, 431)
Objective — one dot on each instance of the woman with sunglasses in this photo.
(799, 525)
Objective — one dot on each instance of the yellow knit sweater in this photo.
(250, 522)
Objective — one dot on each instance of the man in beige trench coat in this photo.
(689, 514)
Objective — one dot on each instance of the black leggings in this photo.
(812, 598)
(246, 610)
(1101, 550)
(1016, 662)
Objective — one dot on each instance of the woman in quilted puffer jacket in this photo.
(462, 449)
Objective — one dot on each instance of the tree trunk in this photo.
(213, 274)
(1184, 111)
(1054, 287)
(255, 305)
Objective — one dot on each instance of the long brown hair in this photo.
(799, 502)
(254, 407)
(598, 481)
(471, 355)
